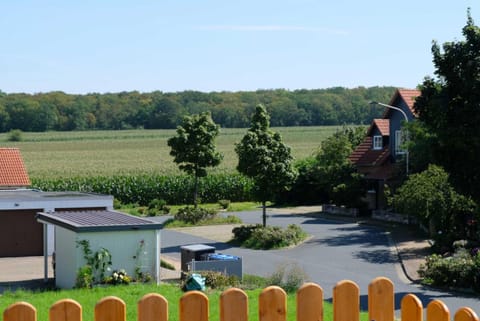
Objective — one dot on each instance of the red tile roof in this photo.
(364, 155)
(383, 126)
(408, 95)
(12, 169)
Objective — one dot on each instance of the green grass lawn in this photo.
(67, 154)
(131, 294)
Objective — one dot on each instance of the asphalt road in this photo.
(336, 251)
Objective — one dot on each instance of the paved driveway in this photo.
(337, 251)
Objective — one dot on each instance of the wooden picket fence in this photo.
(194, 306)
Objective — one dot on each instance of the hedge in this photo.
(143, 188)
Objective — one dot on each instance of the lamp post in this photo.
(406, 120)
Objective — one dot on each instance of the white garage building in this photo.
(133, 242)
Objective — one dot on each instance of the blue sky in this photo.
(221, 45)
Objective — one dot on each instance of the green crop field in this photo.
(94, 153)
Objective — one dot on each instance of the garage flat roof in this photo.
(24, 199)
(97, 221)
(37, 195)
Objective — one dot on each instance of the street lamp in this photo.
(406, 120)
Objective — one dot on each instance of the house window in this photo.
(399, 140)
(377, 142)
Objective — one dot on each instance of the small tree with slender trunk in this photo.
(193, 148)
(265, 158)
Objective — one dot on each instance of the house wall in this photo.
(396, 120)
(376, 132)
(129, 250)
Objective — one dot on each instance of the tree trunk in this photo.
(195, 192)
(264, 213)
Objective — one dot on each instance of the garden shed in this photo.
(133, 242)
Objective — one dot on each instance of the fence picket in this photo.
(437, 311)
(233, 305)
(381, 301)
(65, 310)
(272, 304)
(193, 307)
(20, 311)
(310, 302)
(411, 308)
(110, 308)
(152, 307)
(346, 301)
(465, 314)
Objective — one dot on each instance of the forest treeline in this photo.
(157, 110)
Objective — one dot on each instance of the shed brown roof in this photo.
(12, 169)
(99, 221)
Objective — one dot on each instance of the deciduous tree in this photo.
(431, 198)
(264, 157)
(329, 177)
(193, 148)
(449, 106)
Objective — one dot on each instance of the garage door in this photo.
(20, 233)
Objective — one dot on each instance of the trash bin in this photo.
(219, 257)
(195, 282)
(193, 252)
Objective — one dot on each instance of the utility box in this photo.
(194, 252)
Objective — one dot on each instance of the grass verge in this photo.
(230, 219)
(233, 207)
(130, 294)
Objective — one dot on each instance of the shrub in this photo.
(194, 215)
(224, 203)
(459, 270)
(15, 135)
(141, 276)
(152, 212)
(84, 277)
(117, 203)
(142, 210)
(231, 219)
(244, 232)
(159, 205)
(218, 280)
(259, 237)
(288, 276)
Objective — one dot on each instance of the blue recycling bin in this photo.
(221, 257)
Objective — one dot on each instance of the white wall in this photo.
(66, 261)
(129, 249)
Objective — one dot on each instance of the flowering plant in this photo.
(118, 277)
